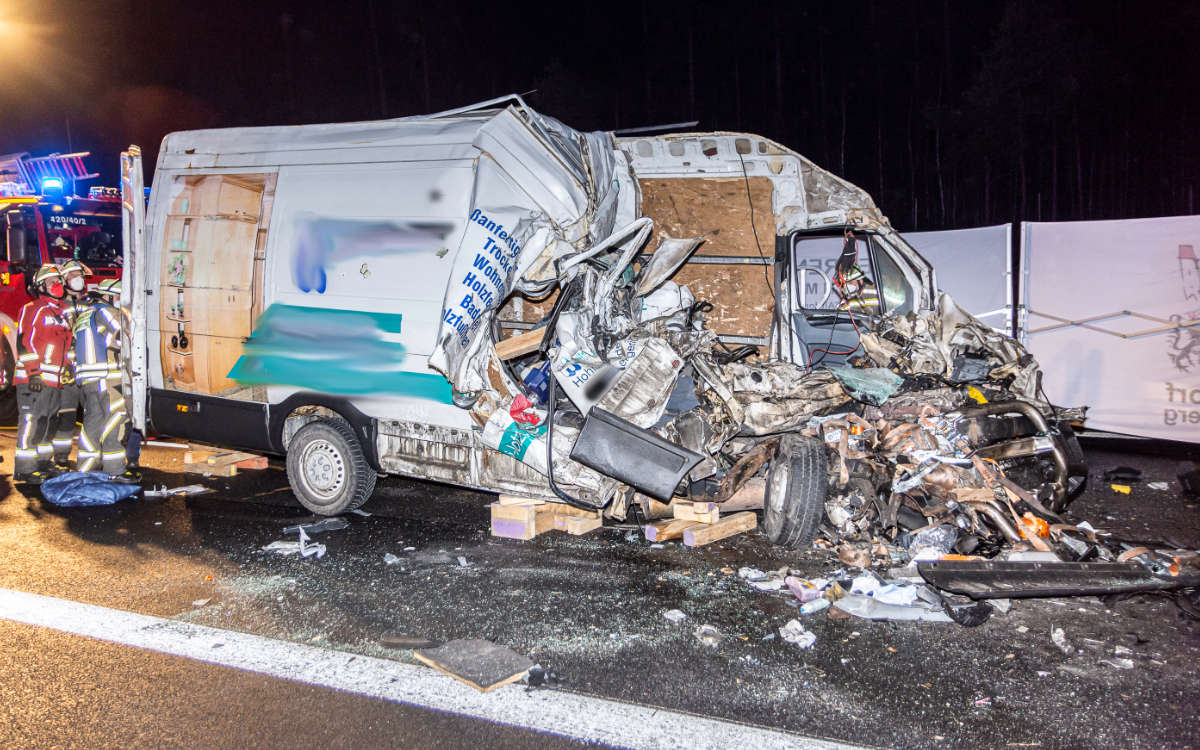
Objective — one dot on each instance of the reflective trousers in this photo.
(64, 425)
(37, 411)
(103, 426)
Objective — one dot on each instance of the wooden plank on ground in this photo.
(661, 531)
(521, 344)
(702, 534)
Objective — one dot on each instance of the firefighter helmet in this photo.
(109, 287)
(74, 265)
(46, 273)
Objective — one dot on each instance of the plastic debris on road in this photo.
(708, 635)
(796, 634)
(674, 615)
(303, 547)
(1059, 637)
(334, 523)
(164, 491)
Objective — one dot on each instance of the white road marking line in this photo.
(610, 722)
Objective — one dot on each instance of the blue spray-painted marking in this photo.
(345, 352)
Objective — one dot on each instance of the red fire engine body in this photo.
(43, 222)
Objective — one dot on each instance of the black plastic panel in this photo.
(210, 419)
(637, 457)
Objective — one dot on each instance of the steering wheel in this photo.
(801, 275)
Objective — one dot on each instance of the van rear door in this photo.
(133, 286)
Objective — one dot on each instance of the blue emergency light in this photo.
(51, 183)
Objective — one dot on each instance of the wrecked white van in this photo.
(489, 298)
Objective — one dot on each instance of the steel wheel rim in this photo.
(322, 469)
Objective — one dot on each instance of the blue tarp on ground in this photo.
(78, 489)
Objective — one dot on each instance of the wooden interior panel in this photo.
(223, 312)
(223, 352)
(227, 249)
(688, 207)
(213, 242)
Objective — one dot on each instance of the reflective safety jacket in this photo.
(97, 331)
(43, 341)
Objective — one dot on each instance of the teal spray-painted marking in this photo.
(345, 352)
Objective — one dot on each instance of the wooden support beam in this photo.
(702, 534)
(661, 531)
(750, 496)
(521, 344)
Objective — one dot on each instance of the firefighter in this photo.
(74, 276)
(98, 372)
(43, 341)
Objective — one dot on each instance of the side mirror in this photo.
(14, 236)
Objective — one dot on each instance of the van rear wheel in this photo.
(327, 469)
(796, 488)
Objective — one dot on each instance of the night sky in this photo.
(950, 114)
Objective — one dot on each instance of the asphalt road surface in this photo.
(167, 625)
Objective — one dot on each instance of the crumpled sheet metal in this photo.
(770, 397)
(928, 342)
(530, 205)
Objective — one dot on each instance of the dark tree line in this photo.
(950, 113)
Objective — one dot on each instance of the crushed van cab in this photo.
(490, 298)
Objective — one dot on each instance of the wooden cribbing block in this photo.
(702, 534)
(577, 525)
(221, 463)
(519, 500)
(521, 344)
(661, 531)
(527, 521)
(698, 512)
(520, 521)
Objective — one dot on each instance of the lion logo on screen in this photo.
(1185, 342)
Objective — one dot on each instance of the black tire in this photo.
(327, 469)
(796, 488)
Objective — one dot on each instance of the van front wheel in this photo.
(796, 489)
(327, 469)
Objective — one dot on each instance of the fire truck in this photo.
(45, 220)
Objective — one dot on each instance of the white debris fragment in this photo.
(410, 549)
(674, 615)
(865, 583)
(751, 574)
(1059, 636)
(390, 559)
(1160, 486)
(164, 491)
(1118, 663)
(201, 602)
(794, 633)
(462, 562)
(708, 635)
(893, 594)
